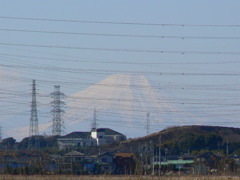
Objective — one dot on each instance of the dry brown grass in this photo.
(64, 177)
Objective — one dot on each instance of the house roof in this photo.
(106, 153)
(74, 153)
(124, 155)
(208, 154)
(108, 131)
(82, 135)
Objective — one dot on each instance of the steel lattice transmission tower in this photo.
(148, 123)
(33, 130)
(57, 111)
(94, 122)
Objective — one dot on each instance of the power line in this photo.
(105, 61)
(104, 71)
(122, 50)
(120, 23)
(123, 35)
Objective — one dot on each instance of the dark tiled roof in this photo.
(109, 131)
(77, 135)
(88, 134)
(106, 153)
(208, 154)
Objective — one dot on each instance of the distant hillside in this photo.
(180, 140)
(174, 141)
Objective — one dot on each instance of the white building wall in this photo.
(65, 143)
(99, 136)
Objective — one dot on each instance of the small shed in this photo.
(125, 163)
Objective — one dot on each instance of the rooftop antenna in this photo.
(33, 130)
(57, 111)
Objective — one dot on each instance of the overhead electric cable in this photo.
(105, 61)
(118, 22)
(122, 35)
(104, 71)
(121, 50)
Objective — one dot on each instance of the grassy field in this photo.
(63, 177)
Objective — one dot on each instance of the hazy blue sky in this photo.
(189, 50)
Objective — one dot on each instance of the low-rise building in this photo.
(125, 163)
(96, 137)
(76, 139)
(207, 163)
(106, 163)
(71, 162)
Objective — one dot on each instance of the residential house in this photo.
(71, 163)
(207, 162)
(76, 139)
(96, 137)
(106, 136)
(75, 162)
(105, 163)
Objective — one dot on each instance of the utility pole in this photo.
(227, 148)
(145, 159)
(140, 157)
(159, 153)
(152, 156)
(57, 111)
(153, 159)
(33, 141)
(0, 133)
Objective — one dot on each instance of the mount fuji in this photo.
(125, 103)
